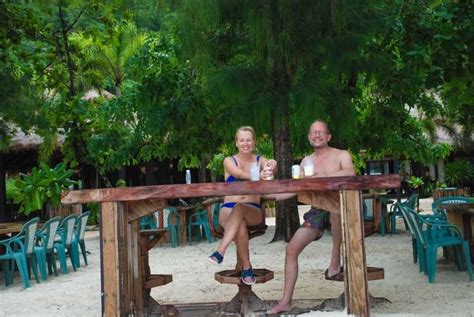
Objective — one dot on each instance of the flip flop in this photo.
(216, 258)
(248, 273)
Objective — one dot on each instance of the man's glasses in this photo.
(318, 133)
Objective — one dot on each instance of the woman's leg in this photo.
(241, 214)
(242, 246)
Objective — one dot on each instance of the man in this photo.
(326, 161)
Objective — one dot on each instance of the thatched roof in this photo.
(29, 140)
(21, 141)
(94, 93)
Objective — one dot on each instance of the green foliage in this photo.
(459, 173)
(121, 183)
(43, 185)
(358, 161)
(264, 147)
(415, 182)
(94, 215)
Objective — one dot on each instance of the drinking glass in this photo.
(254, 172)
(308, 169)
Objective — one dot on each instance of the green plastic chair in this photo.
(448, 200)
(173, 225)
(432, 235)
(19, 250)
(148, 222)
(395, 211)
(78, 238)
(201, 221)
(43, 249)
(216, 209)
(65, 243)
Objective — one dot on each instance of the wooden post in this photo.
(115, 286)
(135, 268)
(355, 268)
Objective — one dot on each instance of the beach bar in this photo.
(121, 209)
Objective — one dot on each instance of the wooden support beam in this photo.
(138, 209)
(355, 283)
(135, 266)
(236, 188)
(114, 261)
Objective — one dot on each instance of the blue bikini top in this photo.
(231, 178)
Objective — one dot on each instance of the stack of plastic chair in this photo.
(43, 249)
(395, 211)
(173, 225)
(19, 250)
(432, 235)
(65, 243)
(78, 238)
(201, 221)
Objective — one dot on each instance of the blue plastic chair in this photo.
(432, 235)
(201, 221)
(65, 242)
(43, 249)
(395, 211)
(78, 238)
(173, 225)
(19, 250)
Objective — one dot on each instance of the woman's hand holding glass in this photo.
(267, 172)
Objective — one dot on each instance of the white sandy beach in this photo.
(78, 293)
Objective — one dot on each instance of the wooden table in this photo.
(13, 227)
(462, 216)
(10, 227)
(122, 208)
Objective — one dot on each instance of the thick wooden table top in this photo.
(237, 188)
(459, 208)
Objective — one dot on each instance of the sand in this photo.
(78, 293)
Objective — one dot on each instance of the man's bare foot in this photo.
(331, 272)
(279, 308)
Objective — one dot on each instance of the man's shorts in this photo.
(317, 219)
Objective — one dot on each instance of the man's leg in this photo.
(336, 231)
(298, 242)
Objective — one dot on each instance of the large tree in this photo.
(279, 65)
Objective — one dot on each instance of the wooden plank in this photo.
(355, 268)
(236, 188)
(135, 259)
(155, 280)
(113, 261)
(138, 209)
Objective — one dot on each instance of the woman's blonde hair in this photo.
(246, 128)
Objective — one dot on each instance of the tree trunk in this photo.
(3, 207)
(287, 218)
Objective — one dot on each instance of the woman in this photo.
(238, 212)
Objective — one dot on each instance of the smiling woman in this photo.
(239, 212)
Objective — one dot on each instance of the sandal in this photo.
(216, 258)
(248, 276)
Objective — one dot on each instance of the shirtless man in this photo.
(327, 161)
